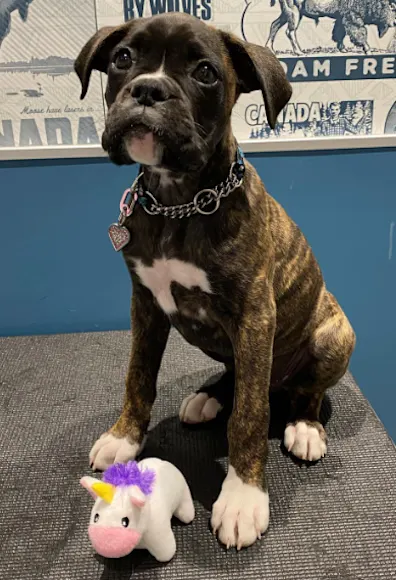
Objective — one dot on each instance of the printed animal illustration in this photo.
(351, 19)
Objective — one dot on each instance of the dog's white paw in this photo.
(109, 449)
(199, 408)
(305, 441)
(241, 513)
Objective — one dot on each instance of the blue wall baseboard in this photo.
(60, 273)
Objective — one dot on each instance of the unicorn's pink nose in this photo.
(112, 542)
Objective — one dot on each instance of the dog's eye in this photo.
(205, 74)
(125, 522)
(123, 59)
(96, 518)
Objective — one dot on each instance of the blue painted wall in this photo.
(60, 274)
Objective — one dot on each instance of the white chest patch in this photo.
(159, 277)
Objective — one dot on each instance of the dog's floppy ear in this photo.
(95, 54)
(257, 68)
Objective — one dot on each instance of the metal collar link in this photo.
(205, 202)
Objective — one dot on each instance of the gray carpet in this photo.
(333, 520)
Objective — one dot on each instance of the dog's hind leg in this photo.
(331, 345)
(208, 401)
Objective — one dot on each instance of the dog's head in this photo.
(172, 84)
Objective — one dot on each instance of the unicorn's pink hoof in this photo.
(112, 542)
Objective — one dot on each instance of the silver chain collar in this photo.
(201, 201)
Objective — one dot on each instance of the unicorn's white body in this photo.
(125, 518)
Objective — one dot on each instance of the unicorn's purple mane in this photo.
(124, 474)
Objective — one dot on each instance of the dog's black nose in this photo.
(148, 92)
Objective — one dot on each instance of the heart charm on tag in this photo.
(119, 236)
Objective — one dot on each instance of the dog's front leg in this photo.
(241, 513)
(150, 331)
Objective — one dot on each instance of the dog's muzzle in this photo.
(152, 124)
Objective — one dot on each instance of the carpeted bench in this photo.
(335, 520)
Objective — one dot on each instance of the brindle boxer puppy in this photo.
(241, 283)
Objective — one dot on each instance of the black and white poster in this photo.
(340, 56)
(39, 91)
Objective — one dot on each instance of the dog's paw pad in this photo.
(305, 441)
(109, 449)
(241, 513)
(199, 408)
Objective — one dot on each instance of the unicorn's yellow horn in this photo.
(104, 490)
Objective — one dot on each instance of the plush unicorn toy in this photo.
(134, 506)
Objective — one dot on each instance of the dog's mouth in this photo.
(140, 142)
(143, 144)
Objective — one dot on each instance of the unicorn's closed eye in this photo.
(134, 506)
